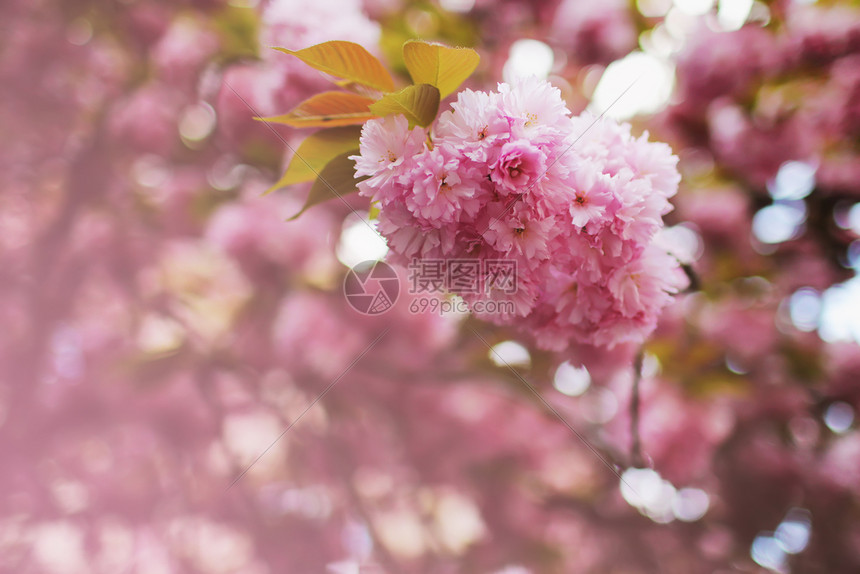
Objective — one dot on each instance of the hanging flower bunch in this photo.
(575, 203)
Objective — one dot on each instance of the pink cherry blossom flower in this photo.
(387, 150)
(592, 194)
(518, 166)
(474, 124)
(535, 108)
(442, 188)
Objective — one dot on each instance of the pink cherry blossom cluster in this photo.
(577, 202)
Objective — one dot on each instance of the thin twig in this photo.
(636, 458)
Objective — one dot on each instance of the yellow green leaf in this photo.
(438, 65)
(346, 60)
(315, 152)
(419, 103)
(328, 109)
(335, 180)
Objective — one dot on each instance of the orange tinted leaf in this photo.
(329, 109)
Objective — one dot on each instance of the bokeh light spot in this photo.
(510, 353)
(690, 504)
(778, 222)
(732, 14)
(461, 6)
(359, 242)
(80, 32)
(197, 122)
(839, 417)
(528, 58)
(805, 308)
(854, 218)
(599, 406)
(840, 312)
(767, 552)
(648, 82)
(794, 180)
(793, 532)
(571, 381)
